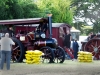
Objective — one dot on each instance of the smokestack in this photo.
(50, 25)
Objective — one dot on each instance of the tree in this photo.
(30, 9)
(59, 8)
(16, 9)
(88, 10)
(10, 9)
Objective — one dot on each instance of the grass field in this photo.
(69, 67)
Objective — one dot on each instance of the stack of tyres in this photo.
(84, 56)
(33, 57)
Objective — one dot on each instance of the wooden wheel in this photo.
(93, 46)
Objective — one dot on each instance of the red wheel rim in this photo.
(93, 46)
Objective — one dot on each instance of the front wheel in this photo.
(59, 55)
(48, 54)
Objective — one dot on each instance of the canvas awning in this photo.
(73, 29)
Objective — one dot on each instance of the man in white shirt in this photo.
(6, 44)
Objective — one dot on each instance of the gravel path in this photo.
(67, 68)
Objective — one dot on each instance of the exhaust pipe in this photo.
(50, 25)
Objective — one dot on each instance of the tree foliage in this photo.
(89, 13)
(30, 9)
(10, 9)
(59, 8)
(15, 9)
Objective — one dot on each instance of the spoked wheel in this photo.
(59, 55)
(17, 51)
(48, 55)
(93, 46)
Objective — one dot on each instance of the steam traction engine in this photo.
(93, 46)
(35, 40)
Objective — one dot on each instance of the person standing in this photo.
(67, 43)
(67, 40)
(75, 48)
(6, 45)
(10, 31)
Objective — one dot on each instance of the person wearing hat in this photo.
(43, 26)
(6, 45)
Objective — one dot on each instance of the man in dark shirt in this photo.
(67, 40)
(43, 26)
(67, 43)
(10, 31)
(91, 36)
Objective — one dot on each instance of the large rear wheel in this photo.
(17, 51)
(93, 46)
